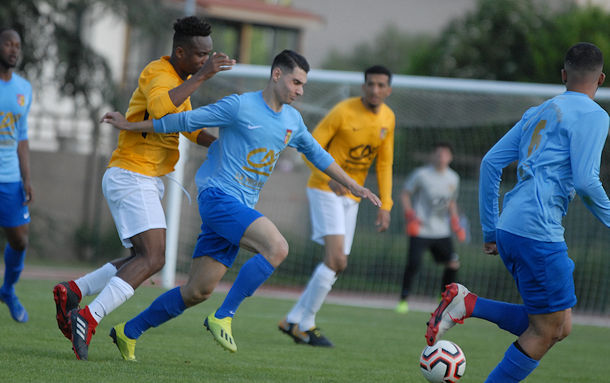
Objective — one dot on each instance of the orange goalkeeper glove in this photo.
(413, 223)
(459, 231)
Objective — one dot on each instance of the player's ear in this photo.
(276, 74)
(601, 79)
(564, 76)
(179, 52)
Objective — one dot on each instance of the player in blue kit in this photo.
(15, 186)
(254, 128)
(558, 145)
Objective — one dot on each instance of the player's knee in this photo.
(338, 264)
(19, 243)
(565, 331)
(453, 265)
(194, 296)
(279, 251)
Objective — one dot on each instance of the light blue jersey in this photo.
(251, 138)
(558, 145)
(15, 101)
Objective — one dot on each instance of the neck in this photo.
(440, 168)
(271, 99)
(371, 107)
(173, 61)
(6, 73)
(587, 89)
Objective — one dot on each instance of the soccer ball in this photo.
(443, 362)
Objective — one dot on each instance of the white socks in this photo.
(112, 296)
(310, 301)
(96, 280)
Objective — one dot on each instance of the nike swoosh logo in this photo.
(26, 215)
(254, 126)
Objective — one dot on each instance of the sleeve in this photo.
(305, 143)
(385, 160)
(499, 156)
(221, 114)
(456, 192)
(158, 102)
(22, 124)
(327, 128)
(412, 182)
(586, 145)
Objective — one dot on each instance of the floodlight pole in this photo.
(174, 199)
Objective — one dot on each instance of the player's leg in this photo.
(204, 276)
(417, 247)
(443, 253)
(14, 218)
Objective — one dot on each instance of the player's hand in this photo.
(337, 188)
(28, 191)
(459, 231)
(413, 223)
(217, 62)
(115, 119)
(490, 248)
(383, 220)
(362, 192)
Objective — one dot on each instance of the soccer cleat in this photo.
(126, 346)
(456, 305)
(66, 300)
(402, 307)
(312, 337)
(221, 330)
(17, 310)
(83, 329)
(286, 327)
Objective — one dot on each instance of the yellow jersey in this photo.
(355, 136)
(151, 154)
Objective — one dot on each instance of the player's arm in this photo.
(23, 153)
(413, 223)
(205, 139)
(335, 172)
(384, 162)
(217, 62)
(505, 151)
(586, 145)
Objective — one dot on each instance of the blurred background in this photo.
(466, 71)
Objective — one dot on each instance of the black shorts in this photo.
(441, 248)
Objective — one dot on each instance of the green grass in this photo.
(372, 345)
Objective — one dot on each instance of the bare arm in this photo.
(205, 139)
(23, 152)
(117, 120)
(335, 172)
(405, 199)
(217, 62)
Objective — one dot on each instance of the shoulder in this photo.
(452, 174)
(159, 69)
(22, 83)
(387, 111)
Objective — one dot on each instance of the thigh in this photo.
(134, 201)
(327, 214)
(263, 237)
(149, 242)
(417, 247)
(350, 214)
(13, 211)
(442, 250)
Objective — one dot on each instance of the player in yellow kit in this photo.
(355, 132)
(132, 184)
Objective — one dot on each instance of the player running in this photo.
(132, 184)
(254, 128)
(558, 145)
(15, 187)
(355, 132)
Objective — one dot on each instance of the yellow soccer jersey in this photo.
(151, 154)
(354, 136)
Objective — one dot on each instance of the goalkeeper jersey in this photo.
(151, 154)
(355, 136)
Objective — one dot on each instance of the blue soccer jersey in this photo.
(250, 141)
(15, 101)
(558, 145)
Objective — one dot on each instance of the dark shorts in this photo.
(440, 248)
(224, 222)
(542, 271)
(13, 212)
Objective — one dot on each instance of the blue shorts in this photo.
(13, 212)
(224, 221)
(542, 271)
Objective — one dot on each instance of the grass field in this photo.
(372, 345)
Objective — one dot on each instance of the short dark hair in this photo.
(444, 145)
(188, 27)
(378, 69)
(584, 57)
(287, 60)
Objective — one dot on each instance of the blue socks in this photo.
(507, 316)
(515, 367)
(167, 306)
(13, 265)
(252, 274)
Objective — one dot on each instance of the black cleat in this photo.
(66, 300)
(312, 337)
(286, 327)
(82, 331)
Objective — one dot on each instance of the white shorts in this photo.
(332, 215)
(134, 201)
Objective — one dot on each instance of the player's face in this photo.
(10, 49)
(441, 157)
(290, 86)
(376, 89)
(196, 54)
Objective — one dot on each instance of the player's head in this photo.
(288, 75)
(442, 155)
(377, 85)
(10, 48)
(192, 44)
(583, 64)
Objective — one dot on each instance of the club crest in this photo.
(21, 99)
(287, 137)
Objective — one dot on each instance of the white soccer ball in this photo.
(443, 362)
